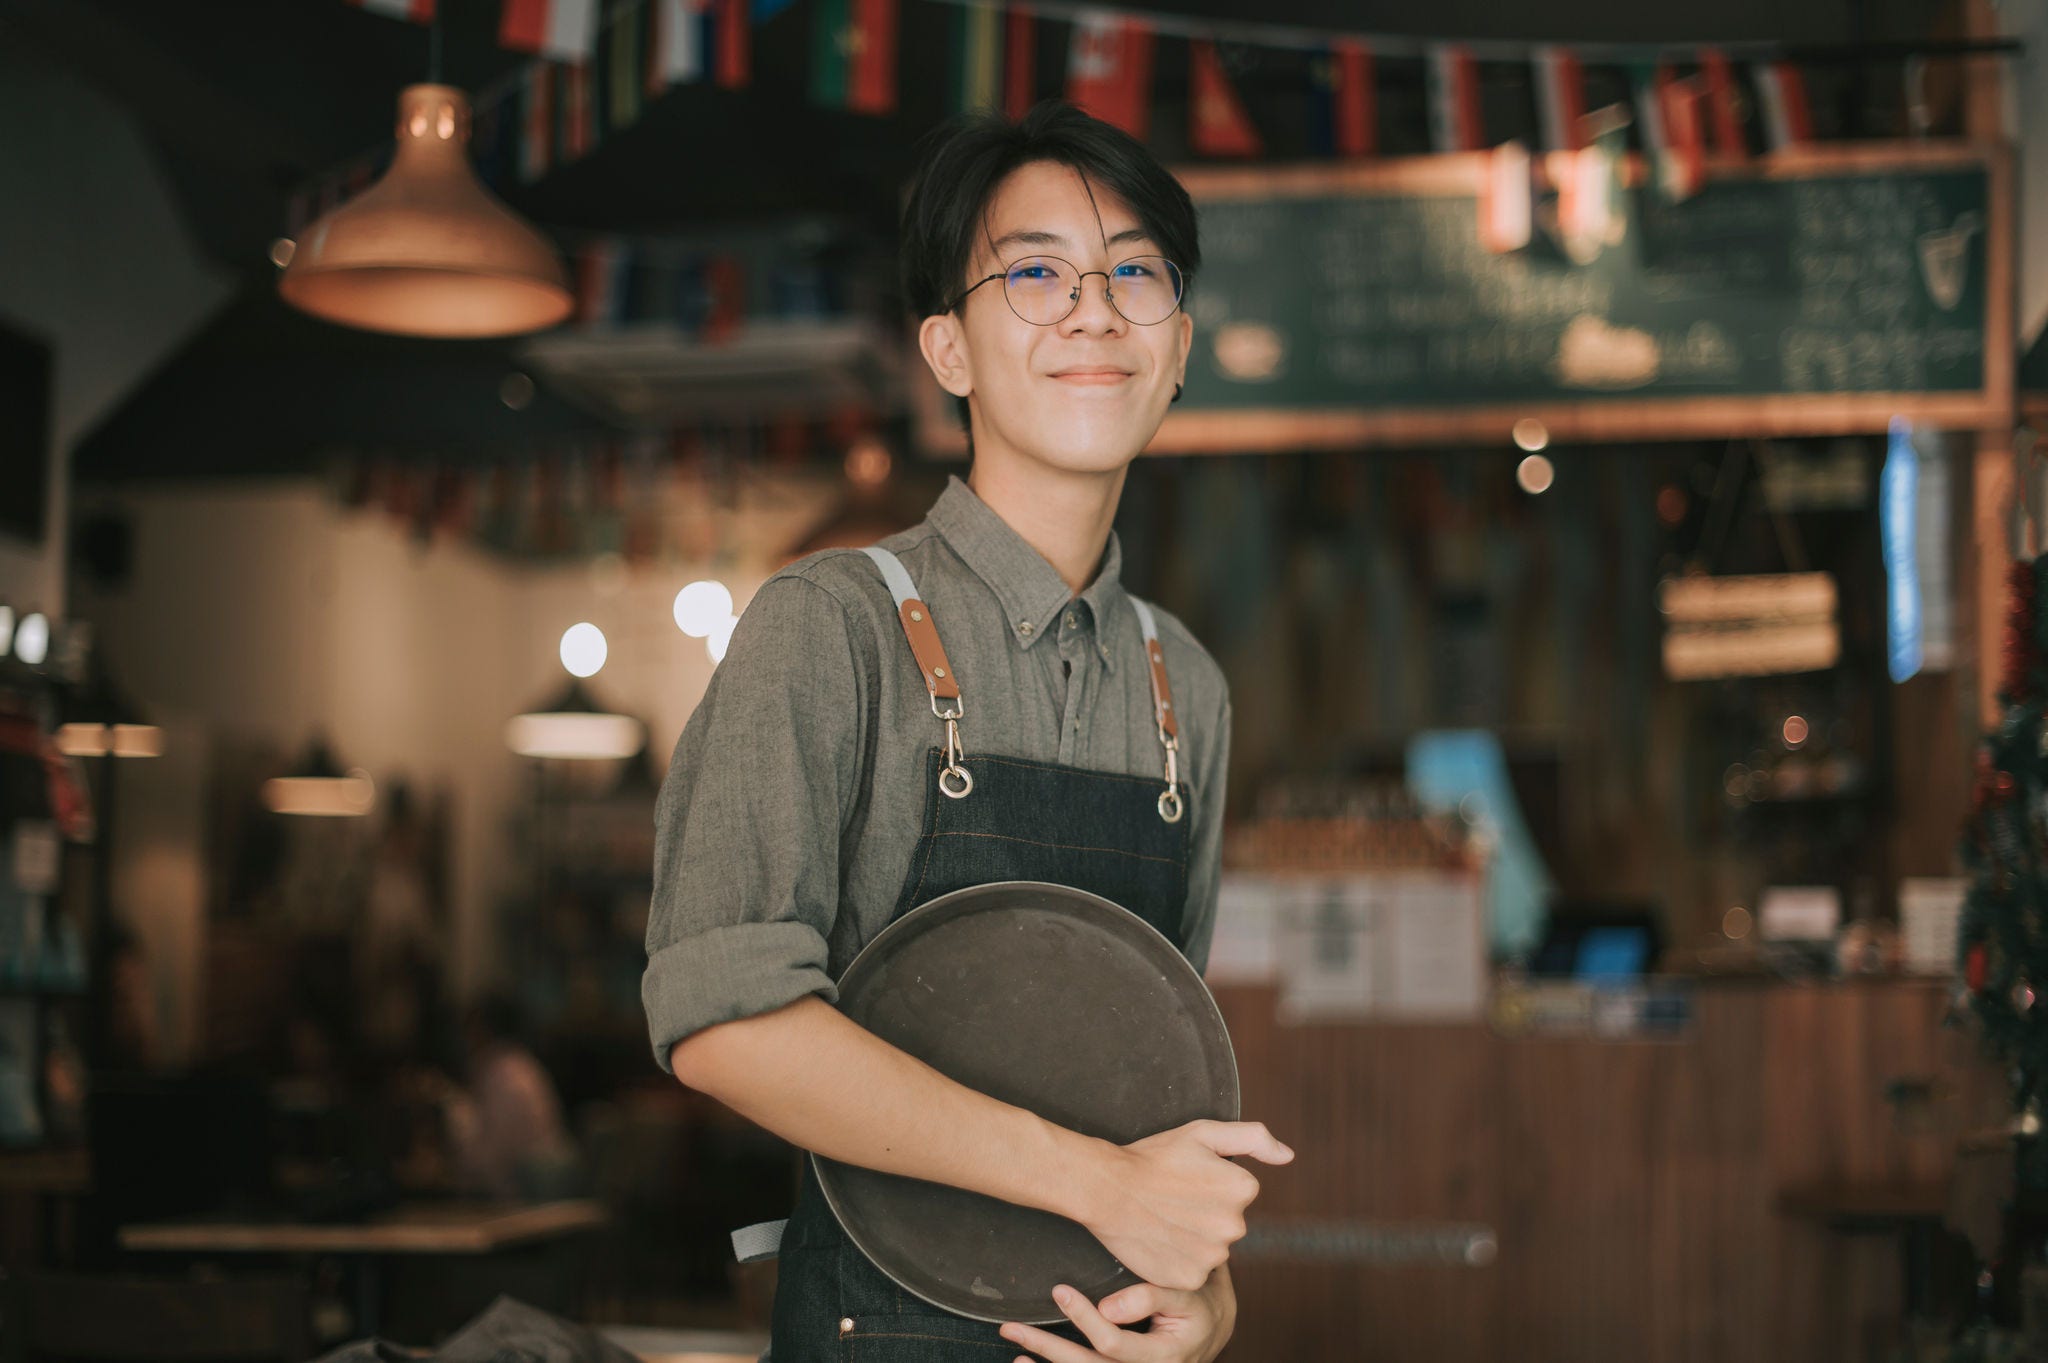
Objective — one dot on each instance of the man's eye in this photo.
(1033, 272)
(1134, 271)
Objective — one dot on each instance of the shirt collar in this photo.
(1031, 590)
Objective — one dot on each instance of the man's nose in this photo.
(1100, 313)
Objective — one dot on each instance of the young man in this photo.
(838, 773)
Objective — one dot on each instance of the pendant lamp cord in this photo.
(434, 48)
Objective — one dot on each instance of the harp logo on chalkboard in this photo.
(1945, 259)
(1250, 352)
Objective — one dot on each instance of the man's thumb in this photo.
(1244, 1138)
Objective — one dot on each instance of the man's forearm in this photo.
(824, 1083)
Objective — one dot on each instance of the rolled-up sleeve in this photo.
(1205, 853)
(749, 819)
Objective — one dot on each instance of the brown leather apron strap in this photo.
(955, 780)
(916, 618)
(1162, 692)
(1171, 805)
(926, 648)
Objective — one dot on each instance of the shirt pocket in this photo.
(921, 1337)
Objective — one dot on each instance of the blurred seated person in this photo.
(506, 1136)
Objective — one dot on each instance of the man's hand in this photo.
(1187, 1327)
(1173, 1204)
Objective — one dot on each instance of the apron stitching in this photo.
(1057, 766)
(1058, 846)
(938, 1339)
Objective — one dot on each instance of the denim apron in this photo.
(987, 818)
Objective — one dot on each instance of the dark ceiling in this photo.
(246, 100)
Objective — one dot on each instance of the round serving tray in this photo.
(1058, 1001)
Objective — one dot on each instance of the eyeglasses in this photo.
(1043, 290)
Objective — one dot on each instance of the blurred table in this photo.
(458, 1256)
(1912, 1210)
(424, 1228)
(686, 1346)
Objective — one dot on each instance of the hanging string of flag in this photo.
(598, 62)
(596, 66)
(591, 494)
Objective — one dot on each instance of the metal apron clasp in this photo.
(962, 778)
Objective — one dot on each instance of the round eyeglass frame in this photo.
(1108, 288)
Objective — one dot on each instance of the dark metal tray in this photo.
(1055, 1000)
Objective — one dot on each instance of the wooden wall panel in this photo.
(1634, 1186)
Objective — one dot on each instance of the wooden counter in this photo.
(1633, 1188)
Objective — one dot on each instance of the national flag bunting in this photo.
(601, 267)
(676, 56)
(578, 135)
(732, 42)
(1020, 62)
(536, 150)
(1343, 110)
(1561, 98)
(1454, 119)
(1217, 123)
(1109, 70)
(1683, 168)
(622, 66)
(1782, 92)
(726, 284)
(853, 54)
(565, 30)
(977, 65)
(1724, 120)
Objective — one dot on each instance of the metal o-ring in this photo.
(966, 783)
(1170, 806)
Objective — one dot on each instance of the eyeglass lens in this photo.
(1044, 289)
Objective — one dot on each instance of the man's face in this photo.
(1086, 393)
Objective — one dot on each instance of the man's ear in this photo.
(1187, 341)
(944, 347)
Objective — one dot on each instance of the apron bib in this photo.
(987, 818)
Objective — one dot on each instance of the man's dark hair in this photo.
(961, 163)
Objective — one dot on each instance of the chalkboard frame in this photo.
(1991, 407)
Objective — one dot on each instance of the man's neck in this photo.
(1064, 516)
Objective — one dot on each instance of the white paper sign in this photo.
(1438, 948)
(1397, 945)
(1329, 948)
(1245, 948)
(1800, 913)
(35, 856)
(1929, 912)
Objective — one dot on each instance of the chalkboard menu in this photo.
(1869, 276)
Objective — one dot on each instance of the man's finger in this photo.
(1106, 1338)
(1134, 1304)
(1243, 1138)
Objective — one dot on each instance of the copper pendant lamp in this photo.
(428, 250)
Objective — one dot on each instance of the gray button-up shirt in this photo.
(797, 790)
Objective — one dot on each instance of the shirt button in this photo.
(1024, 628)
(1070, 619)
(846, 1325)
